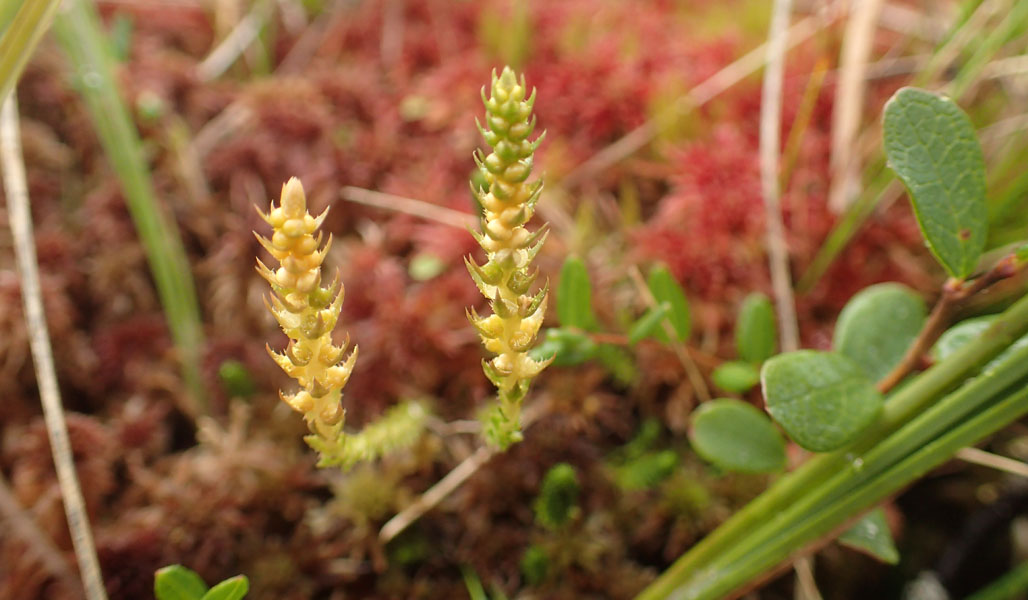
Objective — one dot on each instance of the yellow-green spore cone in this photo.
(508, 203)
(307, 313)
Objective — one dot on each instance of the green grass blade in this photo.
(21, 36)
(1011, 585)
(80, 34)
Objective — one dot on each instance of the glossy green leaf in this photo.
(878, 325)
(176, 582)
(649, 324)
(931, 145)
(574, 295)
(756, 333)
(233, 588)
(664, 288)
(736, 376)
(821, 399)
(736, 436)
(871, 535)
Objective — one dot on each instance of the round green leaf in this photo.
(931, 145)
(736, 436)
(736, 376)
(877, 326)
(756, 332)
(821, 399)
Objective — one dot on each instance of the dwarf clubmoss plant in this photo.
(307, 313)
(508, 202)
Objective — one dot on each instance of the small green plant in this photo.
(508, 202)
(557, 503)
(872, 436)
(176, 582)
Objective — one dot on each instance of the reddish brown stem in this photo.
(954, 293)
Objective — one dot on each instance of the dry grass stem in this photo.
(410, 206)
(994, 461)
(849, 103)
(16, 189)
(697, 96)
(770, 134)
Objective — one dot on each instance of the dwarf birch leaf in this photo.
(232, 588)
(736, 376)
(931, 145)
(756, 331)
(574, 295)
(871, 536)
(878, 325)
(736, 436)
(664, 288)
(821, 399)
(176, 582)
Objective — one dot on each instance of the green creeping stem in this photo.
(735, 534)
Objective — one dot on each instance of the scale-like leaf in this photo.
(756, 331)
(931, 145)
(821, 399)
(736, 436)
(871, 535)
(877, 326)
(574, 295)
(176, 582)
(665, 289)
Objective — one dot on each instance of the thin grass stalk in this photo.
(20, 216)
(79, 32)
(21, 37)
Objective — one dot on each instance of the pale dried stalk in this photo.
(410, 206)
(778, 252)
(238, 40)
(16, 189)
(697, 96)
(849, 102)
(993, 461)
(770, 134)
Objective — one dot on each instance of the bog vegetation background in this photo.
(150, 130)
